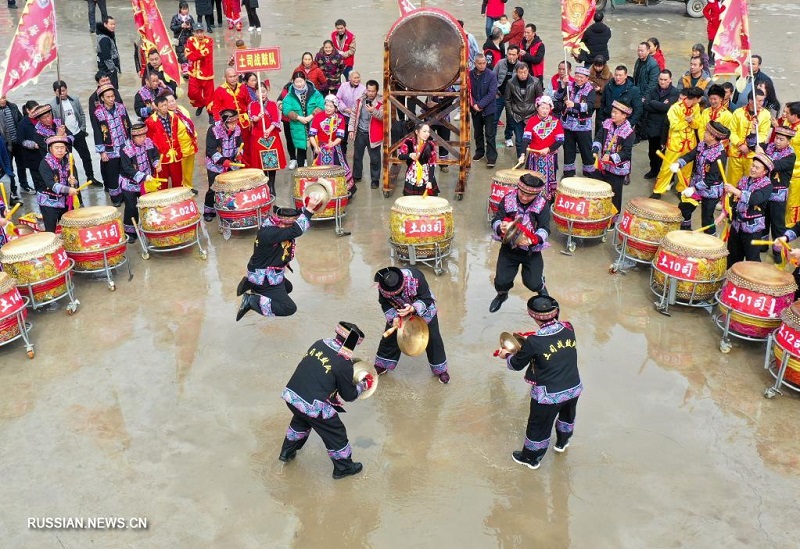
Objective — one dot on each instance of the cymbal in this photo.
(511, 342)
(360, 370)
(512, 233)
(321, 188)
(412, 336)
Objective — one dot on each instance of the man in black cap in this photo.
(112, 129)
(59, 182)
(613, 145)
(314, 395)
(401, 293)
(783, 157)
(272, 252)
(551, 358)
(139, 162)
(751, 195)
(223, 148)
(526, 211)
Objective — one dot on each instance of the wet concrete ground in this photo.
(152, 402)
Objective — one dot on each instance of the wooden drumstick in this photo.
(237, 164)
(390, 331)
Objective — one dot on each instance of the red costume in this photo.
(200, 54)
(265, 150)
(233, 13)
(314, 75)
(168, 145)
(224, 98)
(346, 45)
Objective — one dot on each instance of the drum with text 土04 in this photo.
(169, 217)
(697, 260)
(38, 261)
(337, 176)
(584, 202)
(240, 195)
(787, 339)
(89, 232)
(646, 221)
(503, 182)
(755, 294)
(425, 222)
(11, 303)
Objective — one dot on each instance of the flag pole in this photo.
(58, 64)
(755, 101)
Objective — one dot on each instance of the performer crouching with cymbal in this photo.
(323, 376)
(551, 357)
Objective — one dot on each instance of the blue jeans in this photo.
(489, 23)
(519, 128)
(508, 131)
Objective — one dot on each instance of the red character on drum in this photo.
(752, 195)
(59, 182)
(326, 133)
(613, 147)
(265, 149)
(525, 211)
(223, 153)
(139, 162)
(419, 153)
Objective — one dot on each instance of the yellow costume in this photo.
(793, 199)
(187, 140)
(680, 140)
(721, 115)
(743, 125)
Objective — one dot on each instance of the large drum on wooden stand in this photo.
(38, 260)
(169, 217)
(696, 260)
(645, 221)
(88, 232)
(585, 205)
(241, 197)
(337, 188)
(424, 222)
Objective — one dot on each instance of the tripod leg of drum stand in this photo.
(412, 254)
(337, 218)
(203, 253)
(437, 265)
(72, 306)
(771, 392)
(725, 343)
(663, 305)
(109, 276)
(142, 240)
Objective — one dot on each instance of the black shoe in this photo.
(211, 29)
(194, 191)
(373, 185)
(117, 204)
(477, 157)
(249, 302)
(656, 196)
(96, 183)
(356, 179)
(498, 301)
(353, 470)
(490, 164)
(353, 192)
(561, 446)
(132, 237)
(517, 456)
(651, 175)
(243, 286)
(198, 111)
(543, 291)
(28, 190)
(287, 455)
(209, 217)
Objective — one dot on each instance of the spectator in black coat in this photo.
(654, 122)
(621, 88)
(595, 38)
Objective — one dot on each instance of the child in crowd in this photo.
(503, 24)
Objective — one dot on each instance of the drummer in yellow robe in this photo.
(744, 137)
(187, 141)
(684, 119)
(717, 112)
(792, 121)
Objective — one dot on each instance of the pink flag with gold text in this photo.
(150, 24)
(576, 16)
(405, 7)
(731, 45)
(33, 46)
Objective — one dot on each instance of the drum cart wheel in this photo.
(146, 247)
(24, 328)
(572, 224)
(668, 294)
(623, 262)
(145, 256)
(386, 194)
(409, 254)
(226, 228)
(777, 369)
(459, 196)
(723, 321)
(28, 290)
(338, 213)
(107, 269)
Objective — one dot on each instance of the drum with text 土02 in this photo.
(169, 217)
(89, 232)
(11, 303)
(646, 221)
(425, 222)
(39, 261)
(307, 175)
(240, 195)
(584, 202)
(787, 339)
(755, 294)
(697, 260)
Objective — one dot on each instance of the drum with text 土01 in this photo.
(646, 221)
(169, 217)
(89, 232)
(787, 339)
(11, 303)
(755, 294)
(239, 197)
(425, 222)
(503, 182)
(40, 261)
(305, 176)
(697, 260)
(585, 203)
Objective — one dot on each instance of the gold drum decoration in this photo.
(307, 175)
(787, 338)
(423, 222)
(646, 221)
(586, 203)
(697, 260)
(169, 217)
(503, 182)
(38, 260)
(239, 195)
(11, 303)
(88, 232)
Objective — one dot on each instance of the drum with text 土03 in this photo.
(787, 339)
(307, 175)
(11, 303)
(755, 294)
(239, 196)
(89, 232)
(586, 203)
(646, 221)
(697, 260)
(39, 261)
(169, 217)
(423, 221)
(503, 182)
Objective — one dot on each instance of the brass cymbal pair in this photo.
(412, 335)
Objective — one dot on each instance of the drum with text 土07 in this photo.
(503, 182)
(586, 203)
(787, 339)
(646, 221)
(423, 221)
(307, 175)
(40, 261)
(11, 303)
(169, 217)
(697, 260)
(239, 196)
(755, 294)
(88, 232)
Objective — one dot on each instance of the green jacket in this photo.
(291, 103)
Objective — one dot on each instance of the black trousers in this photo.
(707, 210)
(110, 174)
(93, 5)
(252, 16)
(740, 247)
(617, 183)
(776, 219)
(219, 11)
(360, 143)
(444, 133)
(51, 217)
(485, 132)
(131, 211)
(332, 432)
(18, 156)
(574, 142)
(653, 145)
(301, 156)
(540, 426)
(209, 20)
(289, 143)
(275, 300)
(271, 180)
(79, 144)
(389, 352)
(208, 202)
(508, 263)
(343, 144)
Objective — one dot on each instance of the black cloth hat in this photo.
(390, 280)
(530, 183)
(227, 114)
(285, 212)
(542, 307)
(349, 335)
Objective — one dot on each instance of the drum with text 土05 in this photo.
(423, 221)
(40, 261)
(307, 175)
(787, 339)
(11, 303)
(755, 294)
(697, 260)
(503, 182)
(586, 203)
(239, 196)
(88, 232)
(169, 217)
(646, 221)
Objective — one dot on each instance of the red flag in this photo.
(732, 43)
(33, 47)
(405, 7)
(150, 24)
(576, 16)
